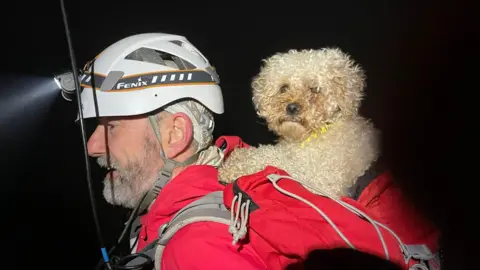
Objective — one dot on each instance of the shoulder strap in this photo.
(423, 254)
(365, 179)
(208, 208)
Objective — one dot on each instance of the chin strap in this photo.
(165, 173)
(162, 180)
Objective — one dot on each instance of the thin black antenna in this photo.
(84, 136)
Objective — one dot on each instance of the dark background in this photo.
(417, 58)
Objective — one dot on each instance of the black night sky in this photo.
(415, 57)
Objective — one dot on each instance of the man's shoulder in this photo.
(208, 244)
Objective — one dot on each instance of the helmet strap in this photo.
(165, 172)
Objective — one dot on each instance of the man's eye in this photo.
(111, 126)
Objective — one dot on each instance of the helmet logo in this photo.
(128, 85)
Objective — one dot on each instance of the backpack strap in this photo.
(423, 254)
(134, 234)
(365, 179)
(208, 208)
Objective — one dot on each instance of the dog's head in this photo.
(299, 92)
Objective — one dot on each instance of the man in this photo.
(154, 93)
(155, 128)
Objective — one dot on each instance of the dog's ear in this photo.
(353, 77)
(355, 88)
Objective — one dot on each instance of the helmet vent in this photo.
(189, 48)
(160, 58)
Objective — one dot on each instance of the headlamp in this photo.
(66, 83)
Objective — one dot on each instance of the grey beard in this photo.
(133, 180)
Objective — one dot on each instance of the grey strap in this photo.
(427, 259)
(158, 256)
(420, 252)
(364, 180)
(134, 227)
(192, 216)
(134, 233)
(211, 200)
(149, 250)
(163, 178)
(208, 208)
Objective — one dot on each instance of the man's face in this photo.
(128, 146)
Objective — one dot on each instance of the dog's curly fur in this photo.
(324, 88)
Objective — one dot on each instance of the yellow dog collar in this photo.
(315, 134)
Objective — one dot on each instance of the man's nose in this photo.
(96, 144)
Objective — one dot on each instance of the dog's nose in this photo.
(293, 108)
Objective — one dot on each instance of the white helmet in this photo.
(144, 72)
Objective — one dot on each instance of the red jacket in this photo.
(205, 245)
(208, 245)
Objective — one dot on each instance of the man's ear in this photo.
(180, 134)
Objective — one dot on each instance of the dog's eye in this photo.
(315, 89)
(283, 88)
